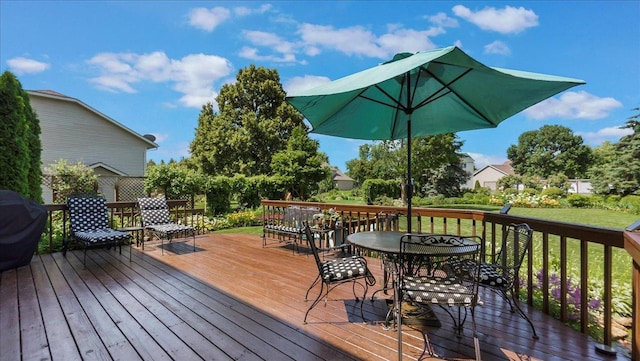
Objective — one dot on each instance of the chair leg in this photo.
(476, 341)
(315, 282)
(315, 302)
(515, 302)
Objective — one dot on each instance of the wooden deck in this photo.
(229, 300)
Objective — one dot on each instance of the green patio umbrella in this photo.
(426, 93)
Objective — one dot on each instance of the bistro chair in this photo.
(337, 271)
(426, 277)
(89, 219)
(154, 213)
(500, 272)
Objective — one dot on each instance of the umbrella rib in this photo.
(447, 86)
(394, 102)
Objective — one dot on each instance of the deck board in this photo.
(231, 299)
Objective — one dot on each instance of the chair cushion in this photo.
(489, 275)
(105, 235)
(437, 290)
(171, 228)
(343, 268)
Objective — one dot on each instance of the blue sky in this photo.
(151, 65)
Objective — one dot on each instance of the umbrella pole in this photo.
(409, 185)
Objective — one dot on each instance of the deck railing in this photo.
(559, 250)
(121, 214)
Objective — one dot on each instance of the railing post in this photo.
(632, 246)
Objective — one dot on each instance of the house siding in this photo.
(488, 177)
(72, 132)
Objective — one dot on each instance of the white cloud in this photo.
(611, 134)
(573, 105)
(21, 66)
(497, 47)
(300, 83)
(194, 75)
(442, 20)
(253, 54)
(244, 11)
(509, 20)
(357, 40)
(270, 40)
(208, 19)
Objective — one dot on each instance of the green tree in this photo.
(550, 150)
(175, 180)
(301, 164)
(388, 160)
(560, 181)
(67, 179)
(436, 164)
(445, 180)
(32, 134)
(253, 123)
(617, 167)
(14, 143)
(510, 181)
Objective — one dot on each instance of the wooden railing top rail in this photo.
(601, 235)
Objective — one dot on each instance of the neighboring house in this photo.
(342, 181)
(74, 131)
(468, 166)
(489, 175)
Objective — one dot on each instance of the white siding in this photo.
(72, 132)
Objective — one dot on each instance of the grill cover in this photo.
(22, 222)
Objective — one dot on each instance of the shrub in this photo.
(553, 192)
(241, 219)
(530, 191)
(579, 200)
(631, 203)
(375, 188)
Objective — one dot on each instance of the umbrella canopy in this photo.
(442, 91)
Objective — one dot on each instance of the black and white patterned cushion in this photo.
(89, 221)
(489, 274)
(437, 290)
(343, 268)
(155, 216)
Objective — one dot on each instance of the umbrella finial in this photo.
(398, 56)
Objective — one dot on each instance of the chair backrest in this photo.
(312, 243)
(515, 243)
(426, 253)
(296, 216)
(154, 211)
(87, 213)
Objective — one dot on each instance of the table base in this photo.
(416, 316)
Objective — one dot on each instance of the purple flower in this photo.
(595, 303)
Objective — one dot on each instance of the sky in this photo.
(151, 65)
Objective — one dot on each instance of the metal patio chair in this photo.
(426, 278)
(154, 213)
(89, 222)
(335, 272)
